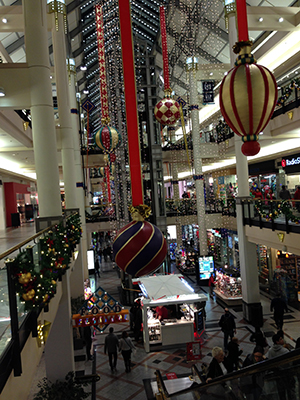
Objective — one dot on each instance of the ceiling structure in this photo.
(194, 27)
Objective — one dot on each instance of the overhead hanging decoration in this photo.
(139, 247)
(248, 93)
(167, 110)
(107, 138)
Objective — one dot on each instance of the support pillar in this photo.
(64, 109)
(59, 353)
(192, 64)
(252, 309)
(79, 190)
(43, 125)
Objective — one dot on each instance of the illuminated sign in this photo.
(206, 266)
(288, 163)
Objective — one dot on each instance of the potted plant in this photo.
(69, 389)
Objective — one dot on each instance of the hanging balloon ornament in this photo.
(139, 247)
(248, 93)
(107, 138)
(167, 110)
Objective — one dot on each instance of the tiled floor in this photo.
(122, 385)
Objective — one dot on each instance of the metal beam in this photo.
(202, 53)
(197, 17)
(15, 45)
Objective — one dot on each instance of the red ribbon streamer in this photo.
(131, 103)
(101, 58)
(241, 11)
(164, 46)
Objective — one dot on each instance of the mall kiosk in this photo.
(186, 311)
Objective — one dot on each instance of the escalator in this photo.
(274, 379)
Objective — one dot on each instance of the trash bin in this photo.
(15, 219)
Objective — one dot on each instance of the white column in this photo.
(59, 352)
(64, 109)
(247, 250)
(198, 177)
(79, 190)
(43, 125)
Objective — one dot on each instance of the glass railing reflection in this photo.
(274, 379)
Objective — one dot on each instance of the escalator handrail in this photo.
(259, 367)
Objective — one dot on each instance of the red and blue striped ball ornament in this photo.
(139, 248)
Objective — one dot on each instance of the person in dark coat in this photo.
(87, 337)
(138, 320)
(216, 367)
(259, 338)
(111, 345)
(279, 306)
(252, 385)
(227, 325)
(232, 359)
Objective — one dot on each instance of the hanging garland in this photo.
(288, 90)
(283, 207)
(36, 284)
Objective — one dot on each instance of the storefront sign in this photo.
(288, 162)
(193, 351)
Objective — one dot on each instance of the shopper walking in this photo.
(285, 194)
(279, 306)
(234, 353)
(126, 346)
(227, 325)
(111, 345)
(211, 285)
(138, 320)
(87, 337)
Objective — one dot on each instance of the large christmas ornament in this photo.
(167, 111)
(107, 139)
(139, 247)
(248, 95)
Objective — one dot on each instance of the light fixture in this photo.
(260, 19)
(85, 91)
(211, 73)
(83, 67)
(2, 92)
(280, 19)
(4, 20)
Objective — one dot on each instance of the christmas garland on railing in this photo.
(287, 90)
(36, 284)
(284, 208)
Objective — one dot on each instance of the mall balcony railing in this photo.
(100, 213)
(276, 378)
(17, 323)
(272, 214)
(189, 207)
(288, 98)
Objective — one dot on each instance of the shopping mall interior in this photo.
(139, 168)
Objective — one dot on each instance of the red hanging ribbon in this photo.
(131, 103)
(164, 45)
(241, 11)
(101, 58)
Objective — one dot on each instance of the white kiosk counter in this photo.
(164, 290)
